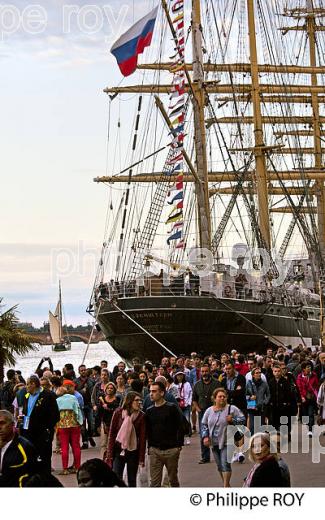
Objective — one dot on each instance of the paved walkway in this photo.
(304, 473)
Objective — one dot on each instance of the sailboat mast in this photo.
(320, 189)
(60, 310)
(201, 186)
(260, 162)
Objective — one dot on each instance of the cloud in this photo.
(79, 32)
(29, 276)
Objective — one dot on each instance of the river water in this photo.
(95, 354)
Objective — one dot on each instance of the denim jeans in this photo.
(308, 409)
(205, 452)
(187, 414)
(220, 456)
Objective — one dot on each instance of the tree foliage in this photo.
(13, 340)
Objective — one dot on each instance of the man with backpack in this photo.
(7, 394)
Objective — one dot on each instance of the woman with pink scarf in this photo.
(127, 438)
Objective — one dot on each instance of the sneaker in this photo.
(187, 442)
(241, 458)
(64, 472)
(202, 461)
(234, 458)
(310, 434)
(92, 442)
(84, 446)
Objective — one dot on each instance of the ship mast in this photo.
(202, 186)
(60, 310)
(258, 150)
(320, 189)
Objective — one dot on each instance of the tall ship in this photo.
(215, 227)
(60, 339)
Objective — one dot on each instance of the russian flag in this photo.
(132, 43)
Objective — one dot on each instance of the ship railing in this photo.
(196, 287)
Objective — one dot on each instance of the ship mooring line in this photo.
(144, 330)
(91, 334)
(265, 332)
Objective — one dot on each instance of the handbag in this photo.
(251, 404)
(181, 403)
(239, 434)
(319, 418)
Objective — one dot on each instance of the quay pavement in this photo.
(304, 473)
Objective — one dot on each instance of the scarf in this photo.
(126, 435)
(257, 382)
(248, 479)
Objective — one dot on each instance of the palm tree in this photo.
(13, 341)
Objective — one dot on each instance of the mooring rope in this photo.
(144, 330)
(91, 334)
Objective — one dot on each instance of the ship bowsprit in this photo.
(203, 324)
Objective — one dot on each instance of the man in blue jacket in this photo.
(40, 415)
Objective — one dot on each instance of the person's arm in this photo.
(178, 419)
(195, 398)
(267, 395)
(205, 429)
(189, 395)
(237, 416)
(249, 389)
(240, 387)
(300, 386)
(113, 430)
(39, 365)
(52, 411)
(93, 398)
(78, 412)
(142, 441)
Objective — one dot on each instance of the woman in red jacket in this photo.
(308, 385)
(127, 438)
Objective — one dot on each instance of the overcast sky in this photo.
(55, 62)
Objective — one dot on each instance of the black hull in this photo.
(203, 324)
(61, 347)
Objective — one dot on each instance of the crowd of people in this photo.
(141, 417)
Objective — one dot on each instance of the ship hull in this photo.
(61, 347)
(202, 324)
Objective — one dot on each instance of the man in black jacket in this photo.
(7, 394)
(85, 385)
(281, 397)
(235, 384)
(202, 394)
(165, 436)
(40, 415)
(17, 455)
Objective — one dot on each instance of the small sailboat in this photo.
(60, 342)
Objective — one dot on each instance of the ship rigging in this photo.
(252, 171)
